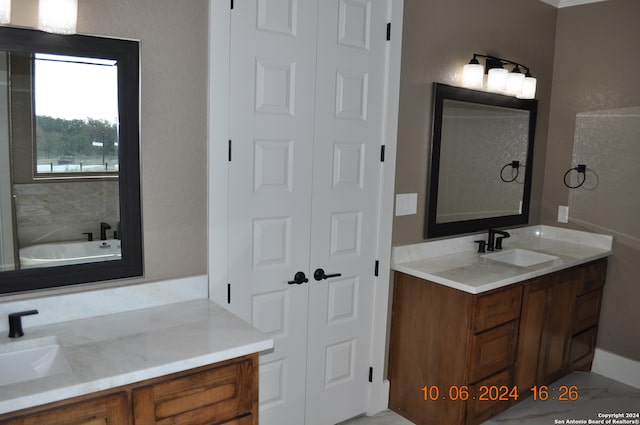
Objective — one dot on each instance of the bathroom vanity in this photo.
(472, 335)
(182, 363)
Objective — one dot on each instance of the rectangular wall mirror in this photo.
(69, 170)
(480, 162)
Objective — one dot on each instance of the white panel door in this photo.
(272, 74)
(306, 113)
(346, 185)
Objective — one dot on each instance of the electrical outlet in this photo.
(563, 214)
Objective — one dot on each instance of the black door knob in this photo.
(319, 275)
(298, 279)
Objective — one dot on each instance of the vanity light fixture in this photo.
(58, 16)
(499, 80)
(5, 12)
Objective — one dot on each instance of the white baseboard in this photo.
(616, 367)
(381, 403)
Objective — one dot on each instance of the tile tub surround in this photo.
(456, 263)
(119, 349)
(60, 212)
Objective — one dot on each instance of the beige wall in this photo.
(585, 58)
(174, 61)
(596, 68)
(439, 37)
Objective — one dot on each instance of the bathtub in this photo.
(63, 253)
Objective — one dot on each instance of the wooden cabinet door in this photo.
(108, 410)
(532, 321)
(556, 336)
(545, 328)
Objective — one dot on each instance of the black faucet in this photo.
(492, 242)
(103, 230)
(15, 322)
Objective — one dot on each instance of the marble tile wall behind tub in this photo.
(62, 211)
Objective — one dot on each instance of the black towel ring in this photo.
(581, 169)
(515, 166)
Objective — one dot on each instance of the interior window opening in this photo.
(76, 116)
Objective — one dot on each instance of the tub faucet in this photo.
(103, 230)
(492, 242)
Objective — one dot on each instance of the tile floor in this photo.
(597, 394)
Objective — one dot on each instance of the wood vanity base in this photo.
(460, 358)
(224, 393)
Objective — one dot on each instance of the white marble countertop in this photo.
(119, 349)
(456, 263)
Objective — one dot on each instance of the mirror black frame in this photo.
(127, 54)
(442, 92)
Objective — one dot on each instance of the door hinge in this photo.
(375, 270)
(370, 374)
(231, 4)
(382, 153)
(228, 293)
(229, 150)
(388, 29)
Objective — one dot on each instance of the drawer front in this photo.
(495, 392)
(212, 396)
(595, 274)
(587, 310)
(108, 410)
(245, 420)
(496, 308)
(493, 351)
(583, 346)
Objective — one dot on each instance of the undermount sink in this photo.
(520, 257)
(31, 359)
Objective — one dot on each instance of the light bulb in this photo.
(5, 12)
(472, 75)
(514, 83)
(58, 16)
(497, 80)
(528, 88)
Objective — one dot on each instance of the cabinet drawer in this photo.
(492, 351)
(583, 346)
(496, 308)
(495, 391)
(245, 420)
(587, 310)
(213, 396)
(112, 410)
(595, 274)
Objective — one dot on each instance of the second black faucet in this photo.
(494, 243)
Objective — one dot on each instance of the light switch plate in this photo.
(563, 214)
(406, 203)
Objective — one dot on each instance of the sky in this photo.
(73, 90)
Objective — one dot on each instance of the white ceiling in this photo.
(567, 3)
